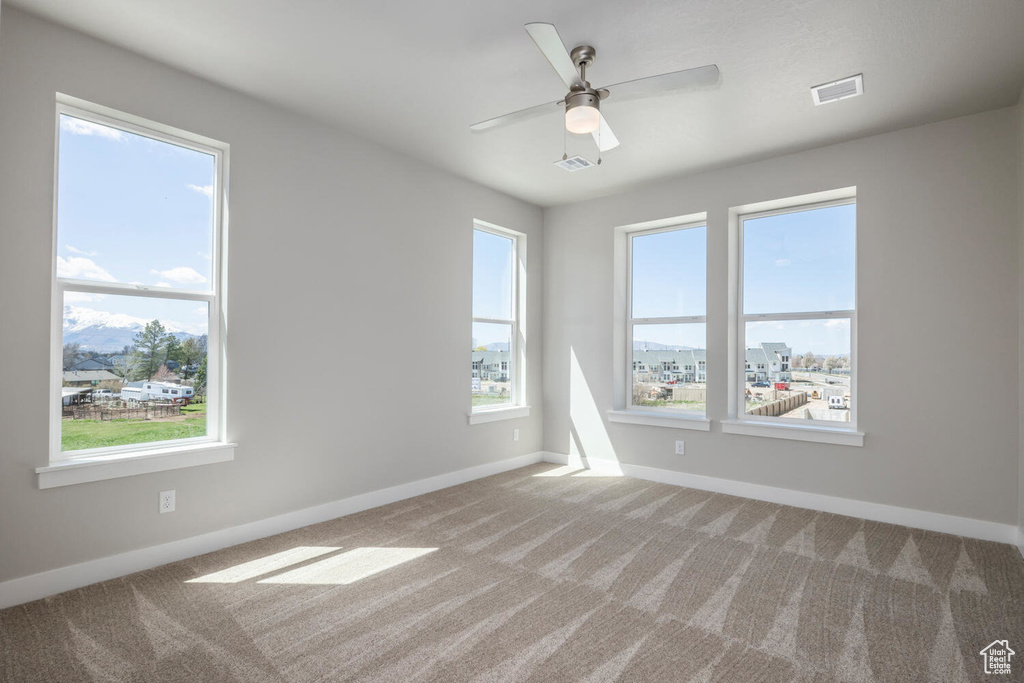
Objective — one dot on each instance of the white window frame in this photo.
(623, 409)
(517, 406)
(774, 427)
(72, 467)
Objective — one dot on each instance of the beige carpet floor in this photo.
(542, 575)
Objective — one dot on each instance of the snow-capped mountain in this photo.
(103, 331)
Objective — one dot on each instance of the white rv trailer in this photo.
(156, 391)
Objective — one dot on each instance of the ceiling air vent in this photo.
(574, 163)
(838, 90)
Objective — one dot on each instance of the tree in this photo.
(192, 351)
(151, 343)
(72, 354)
(642, 393)
(809, 360)
(796, 362)
(163, 374)
(128, 366)
(479, 348)
(173, 350)
(201, 377)
(831, 363)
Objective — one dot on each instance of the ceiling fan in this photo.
(583, 103)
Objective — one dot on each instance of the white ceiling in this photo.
(413, 75)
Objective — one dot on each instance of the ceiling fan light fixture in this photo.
(582, 111)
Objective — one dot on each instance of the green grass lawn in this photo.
(479, 400)
(79, 434)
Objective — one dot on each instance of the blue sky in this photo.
(492, 285)
(802, 261)
(795, 262)
(134, 210)
(670, 274)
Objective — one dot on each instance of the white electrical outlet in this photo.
(166, 501)
(515, 435)
(680, 448)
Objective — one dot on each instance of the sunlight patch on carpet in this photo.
(264, 565)
(349, 567)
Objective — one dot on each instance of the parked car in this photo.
(103, 393)
(761, 384)
(836, 402)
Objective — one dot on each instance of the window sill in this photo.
(495, 414)
(100, 467)
(842, 437)
(638, 417)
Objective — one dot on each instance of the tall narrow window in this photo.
(137, 304)
(798, 315)
(666, 323)
(496, 354)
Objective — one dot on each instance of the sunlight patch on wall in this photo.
(264, 565)
(588, 438)
(349, 567)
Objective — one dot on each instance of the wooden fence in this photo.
(688, 394)
(104, 413)
(780, 406)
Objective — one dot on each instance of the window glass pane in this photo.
(798, 369)
(124, 357)
(492, 275)
(670, 366)
(492, 364)
(669, 272)
(800, 261)
(133, 209)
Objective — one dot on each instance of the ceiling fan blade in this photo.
(604, 137)
(515, 116)
(700, 77)
(547, 39)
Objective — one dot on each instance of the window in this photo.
(497, 355)
(666, 304)
(138, 243)
(798, 315)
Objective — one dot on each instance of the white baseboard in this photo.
(918, 519)
(36, 586)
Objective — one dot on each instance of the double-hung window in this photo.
(498, 349)
(666, 323)
(138, 284)
(797, 317)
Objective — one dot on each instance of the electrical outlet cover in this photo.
(166, 501)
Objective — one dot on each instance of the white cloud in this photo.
(80, 127)
(76, 250)
(163, 284)
(782, 262)
(81, 297)
(766, 324)
(205, 255)
(183, 275)
(838, 324)
(81, 268)
(202, 189)
(203, 310)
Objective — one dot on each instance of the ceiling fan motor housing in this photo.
(582, 97)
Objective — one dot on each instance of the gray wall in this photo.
(336, 244)
(937, 247)
(1020, 209)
